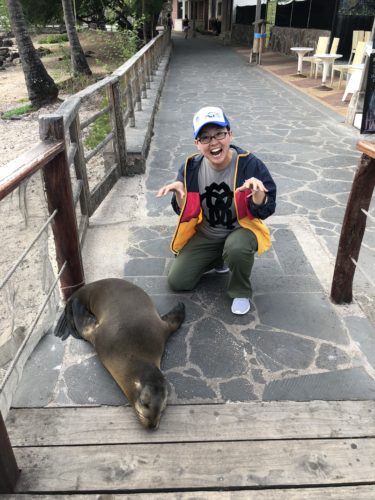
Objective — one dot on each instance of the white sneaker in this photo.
(240, 306)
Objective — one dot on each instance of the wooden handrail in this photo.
(366, 147)
(16, 171)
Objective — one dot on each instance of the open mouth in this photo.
(216, 151)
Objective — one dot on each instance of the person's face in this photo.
(214, 147)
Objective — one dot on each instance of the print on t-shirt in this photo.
(217, 200)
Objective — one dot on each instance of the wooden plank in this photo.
(251, 421)
(9, 471)
(174, 466)
(335, 493)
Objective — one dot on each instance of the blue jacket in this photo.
(248, 214)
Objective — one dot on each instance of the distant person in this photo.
(169, 21)
(186, 26)
(221, 195)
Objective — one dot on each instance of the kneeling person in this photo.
(221, 194)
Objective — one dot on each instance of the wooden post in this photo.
(146, 70)
(354, 225)
(137, 85)
(80, 166)
(115, 97)
(152, 62)
(59, 196)
(130, 98)
(142, 72)
(9, 471)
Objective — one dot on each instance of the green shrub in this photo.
(54, 38)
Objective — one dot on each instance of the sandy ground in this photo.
(17, 135)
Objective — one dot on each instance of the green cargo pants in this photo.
(202, 254)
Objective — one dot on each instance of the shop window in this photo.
(179, 10)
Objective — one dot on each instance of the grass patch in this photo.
(54, 38)
(15, 112)
(101, 128)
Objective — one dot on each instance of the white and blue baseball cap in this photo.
(209, 115)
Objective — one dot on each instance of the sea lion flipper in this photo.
(84, 321)
(175, 317)
(63, 329)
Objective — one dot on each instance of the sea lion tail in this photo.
(175, 317)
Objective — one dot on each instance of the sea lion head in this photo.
(150, 398)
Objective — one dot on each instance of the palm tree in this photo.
(79, 62)
(40, 86)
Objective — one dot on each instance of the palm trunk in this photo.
(40, 86)
(78, 58)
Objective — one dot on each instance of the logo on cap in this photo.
(209, 115)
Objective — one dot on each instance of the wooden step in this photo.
(255, 450)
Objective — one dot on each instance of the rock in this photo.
(4, 51)
(43, 51)
(7, 42)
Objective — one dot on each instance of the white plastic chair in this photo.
(333, 50)
(321, 48)
(344, 69)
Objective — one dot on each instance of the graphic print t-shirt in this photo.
(216, 195)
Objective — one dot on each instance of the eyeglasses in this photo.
(206, 139)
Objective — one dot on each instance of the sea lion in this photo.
(120, 320)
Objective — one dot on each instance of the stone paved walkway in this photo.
(294, 344)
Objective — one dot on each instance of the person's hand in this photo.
(258, 189)
(174, 187)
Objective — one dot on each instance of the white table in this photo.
(301, 52)
(327, 60)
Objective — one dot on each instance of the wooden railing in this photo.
(354, 225)
(64, 161)
(122, 94)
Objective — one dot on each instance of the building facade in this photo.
(209, 15)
